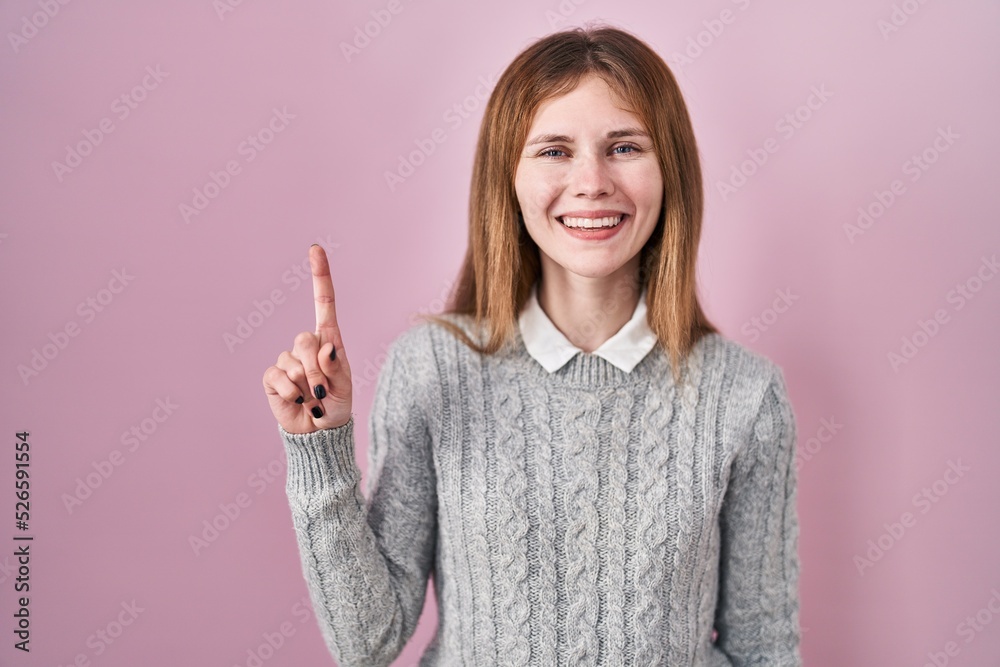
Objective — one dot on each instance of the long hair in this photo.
(502, 262)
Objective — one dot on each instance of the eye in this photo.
(548, 152)
(630, 148)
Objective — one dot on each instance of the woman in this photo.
(592, 473)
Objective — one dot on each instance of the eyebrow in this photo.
(562, 138)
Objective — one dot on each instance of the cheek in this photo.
(541, 195)
(647, 187)
(536, 189)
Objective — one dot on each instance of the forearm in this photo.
(366, 610)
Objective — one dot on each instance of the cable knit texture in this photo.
(584, 517)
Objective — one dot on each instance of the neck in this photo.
(589, 311)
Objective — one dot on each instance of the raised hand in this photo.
(309, 387)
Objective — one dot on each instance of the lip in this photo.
(593, 234)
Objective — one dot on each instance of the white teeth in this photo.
(588, 223)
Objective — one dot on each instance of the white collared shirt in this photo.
(553, 350)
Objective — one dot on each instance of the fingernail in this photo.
(317, 413)
(333, 354)
(300, 400)
(320, 391)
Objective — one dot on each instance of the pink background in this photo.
(394, 252)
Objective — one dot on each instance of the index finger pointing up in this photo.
(326, 314)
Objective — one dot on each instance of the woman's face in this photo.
(587, 160)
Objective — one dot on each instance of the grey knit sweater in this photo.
(584, 517)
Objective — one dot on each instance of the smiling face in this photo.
(588, 162)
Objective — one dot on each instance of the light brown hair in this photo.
(502, 262)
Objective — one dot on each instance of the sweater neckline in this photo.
(588, 370)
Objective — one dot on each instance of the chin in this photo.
(593, 271)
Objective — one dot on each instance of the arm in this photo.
(757, 615)
(366, 564)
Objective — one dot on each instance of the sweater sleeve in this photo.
(366, 563)
(757, 614)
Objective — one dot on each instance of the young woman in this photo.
(591, 473)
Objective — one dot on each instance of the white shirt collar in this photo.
(553, 350)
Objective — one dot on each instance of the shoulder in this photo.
(752, 383)
(427, 349)
(420, 368)
(725, 356)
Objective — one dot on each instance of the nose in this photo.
(591, 176)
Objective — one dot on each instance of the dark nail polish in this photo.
(300, 400)
(320, 391)
(317, 413)
(333, 354)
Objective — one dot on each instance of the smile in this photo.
(591, 223)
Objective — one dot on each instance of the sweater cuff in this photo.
(321, 460)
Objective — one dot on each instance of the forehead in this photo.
(591, 101)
